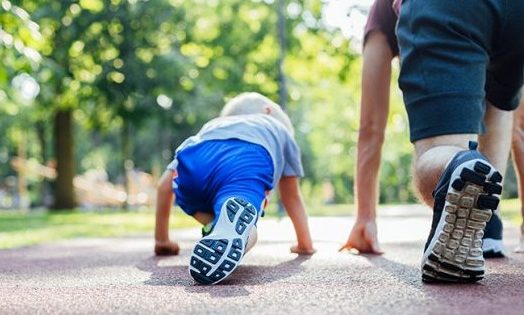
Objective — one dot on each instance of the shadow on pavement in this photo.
(503, 278)
(59, 259)
(168, 275)
(245, 275)
(403, 273)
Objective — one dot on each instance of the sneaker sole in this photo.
(455, 251)
(218, 254)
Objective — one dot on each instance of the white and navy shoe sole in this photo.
(454, 253)
(218, 254)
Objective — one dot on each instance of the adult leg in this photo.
(517, 150)
(432, 156)
(495, 144)
(444, 59)
(462, 201)
(430, 153)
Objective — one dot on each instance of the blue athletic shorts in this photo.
(213, 171)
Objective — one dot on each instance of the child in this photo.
(222, 177)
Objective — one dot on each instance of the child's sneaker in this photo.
(492, 246)
(465, 196)
(219, 253)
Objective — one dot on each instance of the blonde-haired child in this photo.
(223, 175)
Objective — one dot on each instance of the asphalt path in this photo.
(121, 276)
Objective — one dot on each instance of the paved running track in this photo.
(121, 276)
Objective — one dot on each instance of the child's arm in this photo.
(164, 200)
(294, 205)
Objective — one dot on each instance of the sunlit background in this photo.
(95, 95)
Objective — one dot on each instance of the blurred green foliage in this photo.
(137, 77)
(19, 229)
(23, 229)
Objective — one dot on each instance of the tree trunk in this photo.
(65, 163)
(44, 186)
(127, 161)
(23, 195)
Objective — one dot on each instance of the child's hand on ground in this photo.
(302, 251)
(166, 248)
(363, 238)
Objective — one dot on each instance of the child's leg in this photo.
(252, 194)
(204, 218)
(241, 181)
(218, 254)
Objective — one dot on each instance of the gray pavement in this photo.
(120, 275)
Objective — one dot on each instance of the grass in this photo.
(22, 229)
(318, 209)
(510, 210)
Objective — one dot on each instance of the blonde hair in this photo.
(254, 103)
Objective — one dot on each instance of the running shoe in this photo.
(217, 254)
(465, 197)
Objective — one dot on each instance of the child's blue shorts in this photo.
(212, 171)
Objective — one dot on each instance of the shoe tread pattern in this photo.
(214, 259)
(457, 255)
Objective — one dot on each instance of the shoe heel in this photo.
(219, 253)
(455, 254)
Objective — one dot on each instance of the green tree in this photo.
(137, 77)
(115, 61)
(19, 36)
